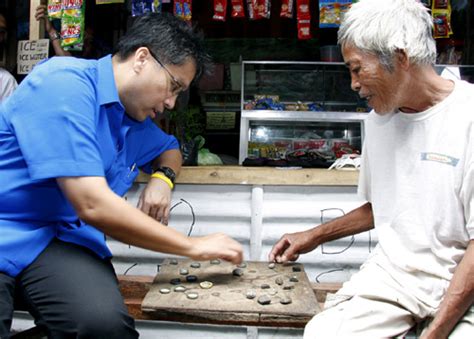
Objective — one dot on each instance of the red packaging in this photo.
(283, 143)
(303, 15)
(220, 10)
(316, 143)
(252, 8)
(440, 4)
(302, 10)
(286, 9)
(263, 9)
(300, 144)
(258, 9)
(238, 9)
(304, 29)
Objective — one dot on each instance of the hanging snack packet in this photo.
(178, 9)
(302, 9)
(303, 16)
(72, 22)
(286, 9)
(187, 10)
(263, 9)
(140, 7)
(304, 29)
(441, 13)
(441, 24)
(258, 9)
(331, 12)
(237, 9)
(440, 4)
(252, 9)
(55, 8)
(220, 10)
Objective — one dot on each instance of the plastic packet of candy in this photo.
(441, 13)
(258, 9)
(187, 10)
(286, 10)
(263, 9)
(55, 8)
(331, 12)
(220, 10)
(72, 23)
(140, 7)
(238, 9)
(178, 9)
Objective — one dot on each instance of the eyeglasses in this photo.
(176, 86)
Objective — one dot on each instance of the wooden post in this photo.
(36, 27)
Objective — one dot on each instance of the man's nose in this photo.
(355, 85)
(170, 102)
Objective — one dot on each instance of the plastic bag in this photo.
(206, 158)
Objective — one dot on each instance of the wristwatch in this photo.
(168, 172)
(54, 36)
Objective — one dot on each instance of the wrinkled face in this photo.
(155, 86)
(381, 88)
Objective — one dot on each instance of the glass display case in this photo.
(298, 114)
(305, 113)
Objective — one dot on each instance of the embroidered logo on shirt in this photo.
(442, 158)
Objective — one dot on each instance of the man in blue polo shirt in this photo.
(72, 138)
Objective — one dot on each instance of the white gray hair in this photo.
(384, 27)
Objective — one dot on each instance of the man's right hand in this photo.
(41, 13)
(291, 245)
(217, 245)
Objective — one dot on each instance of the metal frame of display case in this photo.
(248, 116)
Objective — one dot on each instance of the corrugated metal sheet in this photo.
(284, 209)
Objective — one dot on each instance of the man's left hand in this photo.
(155, 200)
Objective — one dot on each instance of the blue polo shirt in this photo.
(65, 120)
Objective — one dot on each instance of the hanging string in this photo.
(191, 227)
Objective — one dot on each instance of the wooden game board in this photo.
(226, 301)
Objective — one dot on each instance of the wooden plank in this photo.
(226, 301)
(239, 175)
(135, 287)
(36, 27)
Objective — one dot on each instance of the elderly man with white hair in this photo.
(417, 175)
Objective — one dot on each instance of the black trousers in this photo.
(70, 292)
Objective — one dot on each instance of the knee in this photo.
(106, 325)
(320, 326)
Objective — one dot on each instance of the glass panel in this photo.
(326, 86)
(279, 139)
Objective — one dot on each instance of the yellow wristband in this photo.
(163, 177)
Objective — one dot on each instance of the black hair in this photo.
(171, 39)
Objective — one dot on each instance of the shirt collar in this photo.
(107, 90)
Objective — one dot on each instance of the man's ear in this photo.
(402, 59)
(140, 58)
